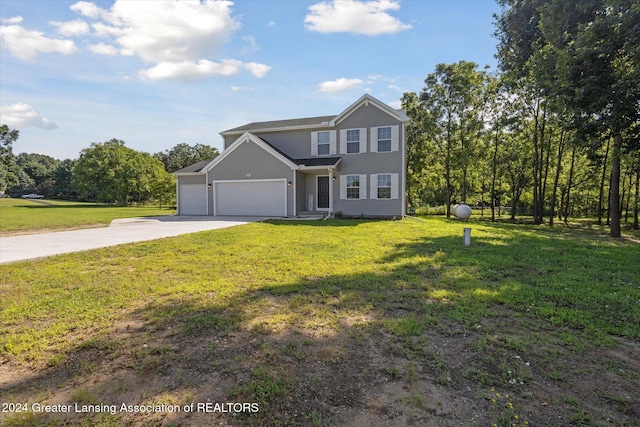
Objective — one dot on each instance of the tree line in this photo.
(108, 172)
(555, 131)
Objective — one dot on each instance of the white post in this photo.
(330, 191)
(467, 236)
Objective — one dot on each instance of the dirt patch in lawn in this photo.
(355, 373)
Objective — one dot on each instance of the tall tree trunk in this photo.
(626, 212)
(556, 178)
(494, 173)
(545, 175)
(568, 200)
(614, 206)
(604, 174)
(536, 163)
(636, 206)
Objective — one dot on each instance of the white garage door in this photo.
(193, 199)
(251, 198)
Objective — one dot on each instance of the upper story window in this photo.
(384, 139)
(324, 143)
(353, 141)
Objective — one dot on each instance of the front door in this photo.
(323, 192)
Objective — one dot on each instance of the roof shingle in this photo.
(275, 124)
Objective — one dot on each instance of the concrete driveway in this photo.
(19, 248)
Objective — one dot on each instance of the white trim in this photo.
(317, 193)
(395, 140)
(231, 181)
(331, 178)
(295, 193)
(178, 195)
(362, 140)
(246, 137)
(363, 187)
(365, 100)
(362, 193)
(403, 171)
(394, 186)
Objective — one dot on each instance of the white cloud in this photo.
(87, 9)
(340, 85)
(241, 88)
(258, 70)
(187, 70)
(354, 16)
(172, 31)
(271, 23)
(71, 28)
(14, 20)
(22, 115)
(26, 44)
(179, 39)
(103, 49)
(251, 46)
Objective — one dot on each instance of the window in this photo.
(384, 186)
(324, 143)
(353, 186)
(353, 141)
(384, 139)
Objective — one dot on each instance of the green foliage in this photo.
(7, 162)
(183, 155)
(112, 172)
(446, 130)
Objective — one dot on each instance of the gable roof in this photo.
(367, 99)
(319, 121)
(194, 168)
(278, 124)
(260, 143)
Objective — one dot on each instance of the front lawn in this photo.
(19, 216)
(332, 323)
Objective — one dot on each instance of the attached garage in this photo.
(192, 199)
(263, 197)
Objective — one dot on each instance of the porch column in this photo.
(330, 191)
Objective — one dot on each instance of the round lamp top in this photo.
(461, 211)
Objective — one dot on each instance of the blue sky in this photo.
(157, 73)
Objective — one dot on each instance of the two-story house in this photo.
(352, 164)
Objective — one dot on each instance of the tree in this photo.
(450, 117)
(112, 172)
(40, 169)
(183, 155)
(8, 177)
(62, 176)
(582, 56)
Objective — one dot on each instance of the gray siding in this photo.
(249, 162)
(191, 179)
(370, 163)
(297, 145)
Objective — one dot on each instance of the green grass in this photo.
(18, 215)
(349, 266)
(523, 293)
